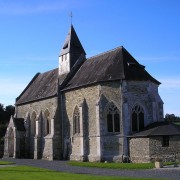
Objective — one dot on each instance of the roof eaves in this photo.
(35, 100)
(33, 79)
(86, 85)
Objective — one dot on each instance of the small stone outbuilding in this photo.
(158, 140)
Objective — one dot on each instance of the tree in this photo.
(5, 114)
(1, 107)
(10, 109)
(171, 118)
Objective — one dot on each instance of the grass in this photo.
(170, 163)
(113, 165)
(29, 173)
(5, 163)
(177, 123)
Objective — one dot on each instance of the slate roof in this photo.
(72, 43)
(19, 124)
(159, 129)
(116, 64)
(43, 85)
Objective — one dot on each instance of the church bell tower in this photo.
(70, 52)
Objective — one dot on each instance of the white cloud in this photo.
(170, 83)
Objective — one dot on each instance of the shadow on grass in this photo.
(29, 172)
(6, 163)
(7, 170)
(25, 169)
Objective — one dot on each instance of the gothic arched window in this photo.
(47, 123)
(33, 124)
(76, 121)
(113, 119)
(137, 118)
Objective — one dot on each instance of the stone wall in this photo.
(37, 107)
(148, 149)
(144, 93)
(166, 153)
(41, 146)
(139, 150)
(76, 148)
(112, 148)
(97, 143)
(111, 143)
(85, 98)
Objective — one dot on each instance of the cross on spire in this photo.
(71, 16)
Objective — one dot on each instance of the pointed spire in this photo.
(71, 51)
(72, 44)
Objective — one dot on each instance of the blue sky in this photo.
(33, 32)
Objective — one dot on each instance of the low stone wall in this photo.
(139, 150)
(170, 153)
(149, 148)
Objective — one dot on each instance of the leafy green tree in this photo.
(1, 107)
(10, 110)
(171, 118)
(5, 114)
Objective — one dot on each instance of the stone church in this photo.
(87, 109)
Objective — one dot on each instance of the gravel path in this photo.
(168, 172)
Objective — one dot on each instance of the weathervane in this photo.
(71, 16)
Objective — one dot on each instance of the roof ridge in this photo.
(48, 71)
(152, 130)
(105, 52)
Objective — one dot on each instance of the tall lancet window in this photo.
(113, 119)
(137, 118)
(47, 122)
(76, 121)
(33, 124)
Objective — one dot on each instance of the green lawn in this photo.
(170, 163)
(5, 163)
(177, 123)
(29, 173)
(114, 165)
